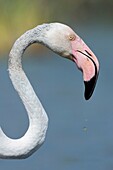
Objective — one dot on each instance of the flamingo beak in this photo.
(87, 62)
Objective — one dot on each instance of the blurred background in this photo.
(80, 133)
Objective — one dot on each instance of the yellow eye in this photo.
(72, 37)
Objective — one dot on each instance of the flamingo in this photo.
(61, 39)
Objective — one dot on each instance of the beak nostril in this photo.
(88, 53)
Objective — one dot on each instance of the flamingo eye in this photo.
(72, 37)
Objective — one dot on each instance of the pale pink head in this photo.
(64, 41)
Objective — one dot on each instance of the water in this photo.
(80, 133)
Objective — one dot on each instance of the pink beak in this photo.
(87, 62)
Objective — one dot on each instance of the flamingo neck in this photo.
(38, 120)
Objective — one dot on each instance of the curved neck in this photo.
(28, 38)
(38, 120)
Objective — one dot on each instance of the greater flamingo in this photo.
(63, 40)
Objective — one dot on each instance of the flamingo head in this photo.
(63, 40)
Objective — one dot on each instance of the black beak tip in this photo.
(89, 87)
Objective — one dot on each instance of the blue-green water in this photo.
(80, 133)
